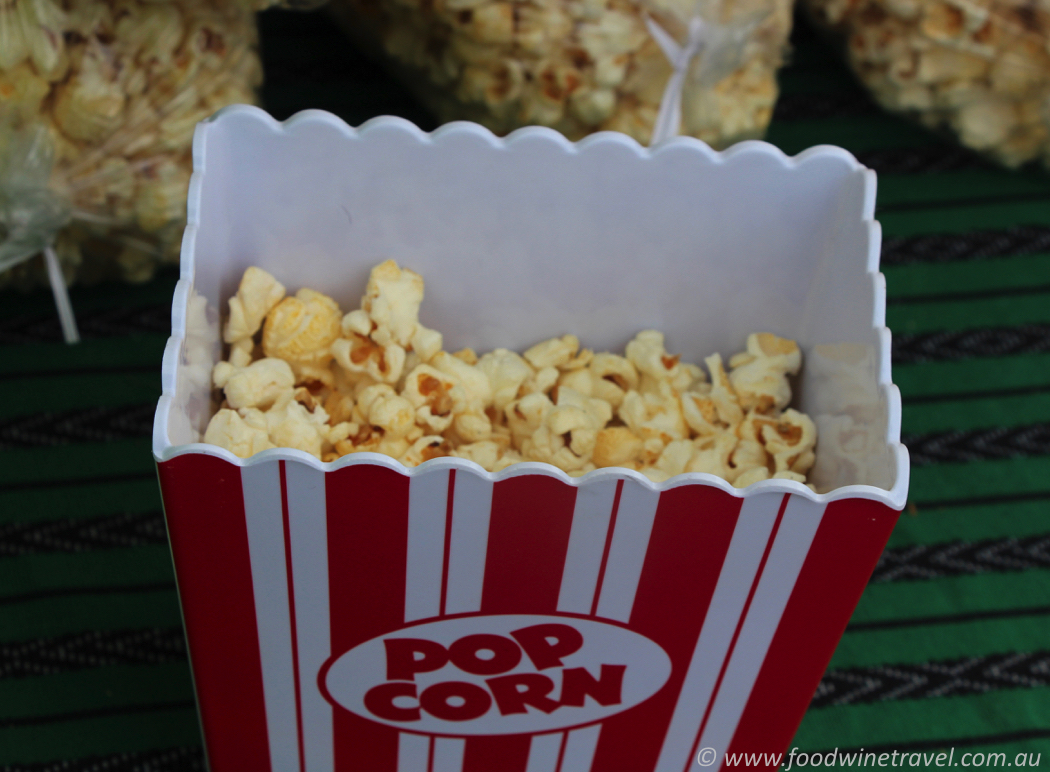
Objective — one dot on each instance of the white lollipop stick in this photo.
(62, 304)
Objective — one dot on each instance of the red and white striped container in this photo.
(358, 615)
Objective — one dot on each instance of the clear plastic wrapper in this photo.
(581, 66)
(98, 102)
(978, 69)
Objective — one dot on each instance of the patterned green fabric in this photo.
(950, 645)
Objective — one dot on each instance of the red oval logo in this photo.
(497, 674)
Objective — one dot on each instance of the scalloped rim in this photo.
(163, 450)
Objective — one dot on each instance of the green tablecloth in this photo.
(950, 645)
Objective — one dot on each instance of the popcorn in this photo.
(118, 86)
(723, 396)
(291, 425)
(712, 454)
(435, 396)
(790, 441)
(375, 380)
(675, 457)
(477, 391)
(228, 430)
(392, 300)
(747, 456)
(756, 474)
(241, 352)
(506, 372)
(579, 418)
(382, 408)
(256, 296)
(654, 415)
(553, 353)
(580, 66)
(340, 407)
(300, 330)
(971, 66)
(616, 446)
(358, 354)
(260, 384)
(426, 448)
(612, 377)
(759, 377)
(541, 381)
(526, 415)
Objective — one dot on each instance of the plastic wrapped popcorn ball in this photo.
(581, 66)
(98, 102)
(976, 68)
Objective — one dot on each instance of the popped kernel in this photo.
(300, 330)
(256, 296)
(228, 430)
(259, 384)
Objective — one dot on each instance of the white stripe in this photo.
(264, 517)
(630, 541)
(471, 511)
(750, 537)
(580, 747)
(448, 752)
(543, 752)
(308, 525)
(413, 752)
(583, 559)
(797, 529)
(427, 504)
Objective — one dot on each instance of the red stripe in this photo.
(448, 538)
(689, 541)
(501, 753)
(204, 506)
(367, 553)
(528, 540)
(430, 747)
(739, 626)
(844, 552)
(608, 546)
(292, 617)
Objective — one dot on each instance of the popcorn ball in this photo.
(581, 66)
(979, 69)
(116, 88)
(302, 374)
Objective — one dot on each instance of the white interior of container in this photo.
(529, 237)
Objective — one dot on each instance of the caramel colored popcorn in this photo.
(117, 87)
(977, 68)
(580, 66)
(375, 380)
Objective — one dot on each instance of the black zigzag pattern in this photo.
(959, 558)
(915, 348)
(818, 105)
(978, 444)
(94, 648)
(95, 424)
(921, 160)
(974, 245)
(124, 529)
(971, 675)
(185, 759)
(103, 323)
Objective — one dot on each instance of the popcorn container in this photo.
(358, 615)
